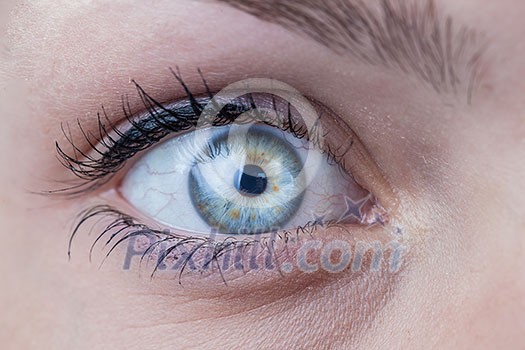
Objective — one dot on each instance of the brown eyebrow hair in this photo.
(412, 36)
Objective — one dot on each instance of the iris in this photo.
(252, 182)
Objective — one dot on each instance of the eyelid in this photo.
(97, 167)
(112, 146)
(342, 147)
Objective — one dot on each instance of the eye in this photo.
(238, 179)
(255, 158)
(264, 171)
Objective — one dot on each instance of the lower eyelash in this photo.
(125, 228)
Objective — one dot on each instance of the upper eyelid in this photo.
(112, 145)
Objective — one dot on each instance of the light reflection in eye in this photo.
(238, 180)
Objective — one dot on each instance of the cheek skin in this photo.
(251, 306)
(466, 243)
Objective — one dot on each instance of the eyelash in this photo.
(112, 148)
(120, 222)
(115, 147)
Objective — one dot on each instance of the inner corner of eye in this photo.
(243, 179)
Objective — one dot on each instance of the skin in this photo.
(454, 173)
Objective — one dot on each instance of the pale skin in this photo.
(456, 170)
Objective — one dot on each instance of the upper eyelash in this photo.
(113, 147)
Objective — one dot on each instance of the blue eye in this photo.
(256, 158)
(272, 167)
(238, 179)
(252, 183)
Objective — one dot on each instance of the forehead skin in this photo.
(61, 60)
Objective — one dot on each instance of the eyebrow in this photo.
(412, 36)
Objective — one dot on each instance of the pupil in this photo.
(251, 181)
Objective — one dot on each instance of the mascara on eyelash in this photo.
(111, 147)
(214, 254)
(175, 253)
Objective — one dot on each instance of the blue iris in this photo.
(249, 182)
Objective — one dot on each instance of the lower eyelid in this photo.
(287, 244)
(222, 259)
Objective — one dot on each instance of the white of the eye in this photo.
(157, 185)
